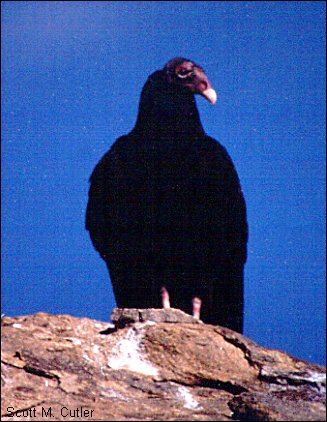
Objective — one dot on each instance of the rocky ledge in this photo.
(152, 364)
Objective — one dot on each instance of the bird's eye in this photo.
(186, 74)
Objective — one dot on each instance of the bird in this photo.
(166, 211)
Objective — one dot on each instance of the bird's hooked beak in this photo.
(210, 95)
(204, 88)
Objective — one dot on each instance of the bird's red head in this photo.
(189, 75)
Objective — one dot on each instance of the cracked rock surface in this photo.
(155, 364)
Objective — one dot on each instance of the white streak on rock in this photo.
(189, 402)
(317, 378)
(110, 393)
(75, 341)
(96, 349)
(85, 356)
(128, 355)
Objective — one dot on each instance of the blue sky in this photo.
(72, 73)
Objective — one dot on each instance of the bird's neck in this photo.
(173, 117)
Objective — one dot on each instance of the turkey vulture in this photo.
(166, 211)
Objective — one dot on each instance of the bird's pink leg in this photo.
(196, 304)
(165, 298)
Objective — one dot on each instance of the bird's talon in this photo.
(165, 298)
(196, 305)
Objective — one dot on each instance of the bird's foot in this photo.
(165, 298)
(196, 305)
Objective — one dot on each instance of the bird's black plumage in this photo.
(166, 209)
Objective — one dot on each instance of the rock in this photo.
(124, 317)
(162, 365)
(277, 406)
